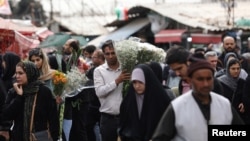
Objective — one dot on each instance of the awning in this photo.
(58, 40)
(127, 30)
(14, 41)
(98, 41)
(200, 38)
(169, 35)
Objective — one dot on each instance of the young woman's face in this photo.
(37, 60)
(234, 70)
(21, 76)
(139, 87)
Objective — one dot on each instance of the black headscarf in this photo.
(10, 59)
(29, 91)
(154, 104)
(157, 69)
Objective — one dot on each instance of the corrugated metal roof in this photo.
(208, 16)
(96, 13)
(121, 33)
(87, 25)
(127, 30)
(83, 17)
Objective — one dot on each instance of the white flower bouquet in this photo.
(76, 82)
(132, 52)
(148, 52)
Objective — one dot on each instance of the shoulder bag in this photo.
(41, 135)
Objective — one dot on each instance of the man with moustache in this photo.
(108, 80)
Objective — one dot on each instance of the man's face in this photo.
(110, 56)
(202, 82)
(229, 44)
(67, 49)
(87, 55)
(179, 69)
(95, 59)
(213, 60)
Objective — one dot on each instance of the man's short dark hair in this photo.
(177, 54)
(108, 43)
(89, 48)
(75, 45)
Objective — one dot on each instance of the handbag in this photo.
(43, 135)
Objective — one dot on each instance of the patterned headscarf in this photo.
(29, 91)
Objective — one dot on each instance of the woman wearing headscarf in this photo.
(143, 105)
(20, 100)
(229, 56)
(8, 66)
(9, 61)
(233, 85)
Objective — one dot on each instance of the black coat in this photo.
(155, 102)
(45, 113)
(236, 96)
(246, 98)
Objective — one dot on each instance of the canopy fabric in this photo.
(16, 42)
(25, 27)
(169, 35)
(200, 38)
(58, 40)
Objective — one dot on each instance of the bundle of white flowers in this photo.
(130, 52)
(76, 82)
(148, 52)
(126, 52)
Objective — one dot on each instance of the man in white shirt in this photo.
(108, 80)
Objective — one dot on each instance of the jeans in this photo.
(97, 132)
(66, 128)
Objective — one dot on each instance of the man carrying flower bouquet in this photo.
(108, 79)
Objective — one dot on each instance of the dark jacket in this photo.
(236, 96)
(45, 113)
(246, 98)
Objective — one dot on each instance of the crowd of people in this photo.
(173, 100)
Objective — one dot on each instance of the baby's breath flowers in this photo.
(76, 81)
(126, 52)
(148, 52)
(130, 53)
